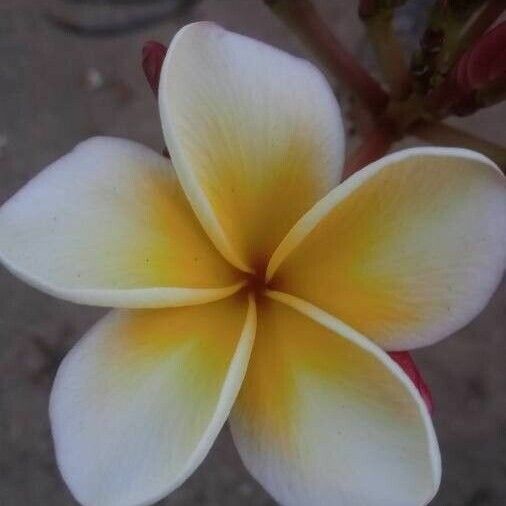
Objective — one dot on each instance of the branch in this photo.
(378, 21)
(445, 135)
(375, 145)
(478, 78)
(302, 17)
(442, 41)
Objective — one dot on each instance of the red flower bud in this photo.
(153, 54)
(406, 362)
(485, 63)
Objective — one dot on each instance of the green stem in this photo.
(389, 53)
(442, 42)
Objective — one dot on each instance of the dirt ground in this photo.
(57, 89)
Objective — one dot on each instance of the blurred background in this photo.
(70, 69)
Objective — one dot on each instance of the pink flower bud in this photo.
(407, 364)
(485, 62)
(153, 54)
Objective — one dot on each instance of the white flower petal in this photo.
(108, 224)
(325, 417)
(406, 251)
(255, 135)
(137, 404)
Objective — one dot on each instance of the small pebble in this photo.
(94, 79)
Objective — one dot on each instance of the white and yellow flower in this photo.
(251, 287)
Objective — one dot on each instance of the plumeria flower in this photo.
(251, 288)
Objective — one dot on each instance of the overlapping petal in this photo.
(325, 417)
(407, 251)
(108, 224)
(255, 135)
(137, 404)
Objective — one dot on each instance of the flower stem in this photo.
(442, 41)
(459, 38)
(303, 18)
(383, 120)
(375, 145)
(445, 135)
(389, 52)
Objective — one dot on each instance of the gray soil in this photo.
(57, 89)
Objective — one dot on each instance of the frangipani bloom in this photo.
(250, 287)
